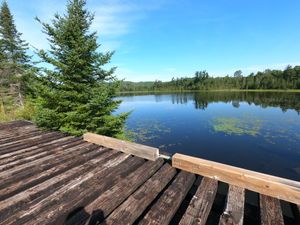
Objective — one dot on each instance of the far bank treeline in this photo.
(288, 78)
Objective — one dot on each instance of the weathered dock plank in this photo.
(114, 196)
(20, 172)
(15, 128)
(201, 203)
(13, 162)
(9, 133)
(38, 149)
(38, 192)
(15, 124)
(23, 138)
(234, 211)
(136, 204)
(56, 201)
(162, 212)
(13, 138)
(30, 181)
(89, 190)
(270, 211)
(30, 142)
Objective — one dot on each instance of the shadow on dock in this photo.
(80, 217)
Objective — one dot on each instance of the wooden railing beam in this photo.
(277, 187)
(139, 150)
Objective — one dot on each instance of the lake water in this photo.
(253, 130)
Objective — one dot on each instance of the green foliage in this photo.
(238, 74)
(78, 94)
(24, 112)
(14, 67)
(269, 79)
(13, 57)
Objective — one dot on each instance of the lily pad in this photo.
(237, 126)
(147, 130)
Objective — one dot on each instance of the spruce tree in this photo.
(14, 62)
(77, 95)
(13, 48)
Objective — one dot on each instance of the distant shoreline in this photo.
(217, 90)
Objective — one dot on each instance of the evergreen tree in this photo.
(13, 48)
(14, 62)
(78, 94)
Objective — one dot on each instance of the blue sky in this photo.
(159, 39)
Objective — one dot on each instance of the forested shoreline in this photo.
(285, 100)
(286, 79)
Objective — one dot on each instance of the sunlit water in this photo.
(257, 131)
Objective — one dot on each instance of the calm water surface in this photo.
(254, 130)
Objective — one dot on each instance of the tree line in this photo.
(201, 99)
(289, 78)
(73, 93)
(284, 100)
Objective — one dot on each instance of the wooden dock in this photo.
(52, 178)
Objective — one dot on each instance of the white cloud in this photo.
(113, 18)
(30, 28)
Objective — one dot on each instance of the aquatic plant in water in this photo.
(286, 129)
(237, 126)
(147, 130)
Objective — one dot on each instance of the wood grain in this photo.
(234, 211)
(139, 150)
(113, 197)
(162, 212)
(277, 187)
(201, 203)
(27, 138)
(13, 138)
(31, 142)
(22, 200)
(270, 211)
(34, 150)
(42, 152)
(22, 171)
(57, 202)
(74, 196)
(135, 205)
(30, 181)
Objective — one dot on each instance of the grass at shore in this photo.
(15, 113)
